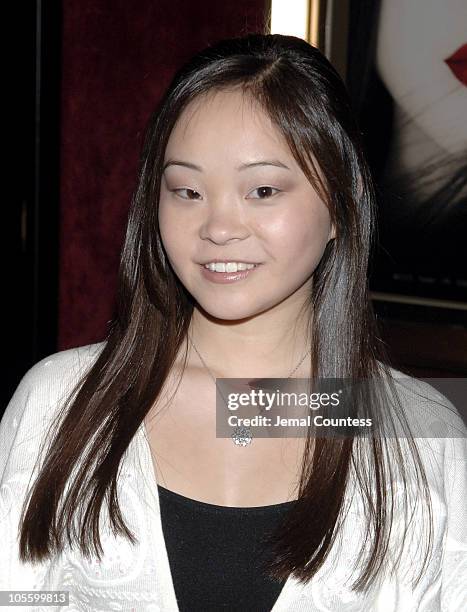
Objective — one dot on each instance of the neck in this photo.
(257, 347)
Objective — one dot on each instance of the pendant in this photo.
(242, 436)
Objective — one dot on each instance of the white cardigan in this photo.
(138, 578)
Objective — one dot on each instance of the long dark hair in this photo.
(306, 99)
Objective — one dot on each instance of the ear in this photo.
(332, 232)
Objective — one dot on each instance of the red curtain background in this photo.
(117, 58)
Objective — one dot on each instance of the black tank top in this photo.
(216, 553)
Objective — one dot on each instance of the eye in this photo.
(189, 191)
(265, 191)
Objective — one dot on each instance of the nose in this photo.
(224, 222)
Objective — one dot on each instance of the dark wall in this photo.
(30, 202)
(117, 58)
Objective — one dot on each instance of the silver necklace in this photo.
(241, 436)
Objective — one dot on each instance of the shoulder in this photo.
(429, 411)
(38, 396)
(55, 373)
(59, 370)
(437, 427)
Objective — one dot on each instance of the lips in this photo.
(203, 263)
(457, 62)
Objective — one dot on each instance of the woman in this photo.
(252, 158)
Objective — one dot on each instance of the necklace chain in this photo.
(241, 435)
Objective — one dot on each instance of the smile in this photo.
(230, 266)
(222, 273)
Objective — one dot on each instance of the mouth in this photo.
(223, 277)
(225, 261)
(457, 62)
(221, 266)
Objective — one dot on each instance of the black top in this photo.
(216, 553)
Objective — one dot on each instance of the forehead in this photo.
(225, 118)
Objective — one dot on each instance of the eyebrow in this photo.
(263, 162)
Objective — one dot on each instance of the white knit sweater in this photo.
(138, 578)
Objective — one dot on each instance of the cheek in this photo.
(172, 236)
(162, 221)
(298, 238)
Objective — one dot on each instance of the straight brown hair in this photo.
(307, 101)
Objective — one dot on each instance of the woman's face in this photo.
(232, 191)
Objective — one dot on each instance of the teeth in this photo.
(231, 266)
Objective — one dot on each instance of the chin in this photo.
(228, 312)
